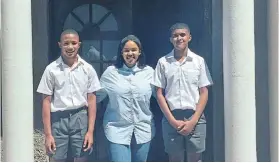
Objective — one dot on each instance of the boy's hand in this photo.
(187, 128)
(50, 144)
(177, 124)
(88, 141)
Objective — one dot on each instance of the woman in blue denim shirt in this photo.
(128, 121)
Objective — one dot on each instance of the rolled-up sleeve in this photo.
(159, 79)
(46, 85)
(205, 77)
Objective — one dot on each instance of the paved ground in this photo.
(39, 149)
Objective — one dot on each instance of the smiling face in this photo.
(130, 53)
(180, 39)
(69, 45)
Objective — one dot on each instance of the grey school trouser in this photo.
(175, 142)
(69, 129)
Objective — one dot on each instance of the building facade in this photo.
(238, 39)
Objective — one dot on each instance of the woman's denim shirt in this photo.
(128, 110)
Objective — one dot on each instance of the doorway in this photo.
(103, 23)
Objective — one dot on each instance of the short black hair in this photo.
(68, 31)
(120, 60)
(179, 26)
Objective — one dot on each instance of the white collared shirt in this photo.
(181, 81)
(69, 86)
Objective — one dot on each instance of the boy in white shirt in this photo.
(68, 86)
(181, 78)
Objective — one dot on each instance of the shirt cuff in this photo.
(44, 92)
(94, 89)
(157, 85)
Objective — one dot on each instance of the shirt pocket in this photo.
(192, 76)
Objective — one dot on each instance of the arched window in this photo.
(98, 31)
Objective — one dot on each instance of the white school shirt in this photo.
(181, 81)
(68, 86)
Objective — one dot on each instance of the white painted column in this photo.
(272, 9)
(17, 80)
(239, 80)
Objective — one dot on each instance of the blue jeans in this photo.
(129, 153)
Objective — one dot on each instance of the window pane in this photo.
(109, 24)
(83, 13)
(71, 22)
(90, 53)
(110, 49)
(90, 50)
(98, 12)
(97, 67)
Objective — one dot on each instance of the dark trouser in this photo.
(69, 129)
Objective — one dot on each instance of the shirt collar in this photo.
(132, 69)
(61, 63)
(188, 58)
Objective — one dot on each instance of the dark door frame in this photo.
(217, 75)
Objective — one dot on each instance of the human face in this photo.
(130, 53)
(69, 45)
(180, 39)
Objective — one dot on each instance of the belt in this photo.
(180, 114)
(68, 113)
